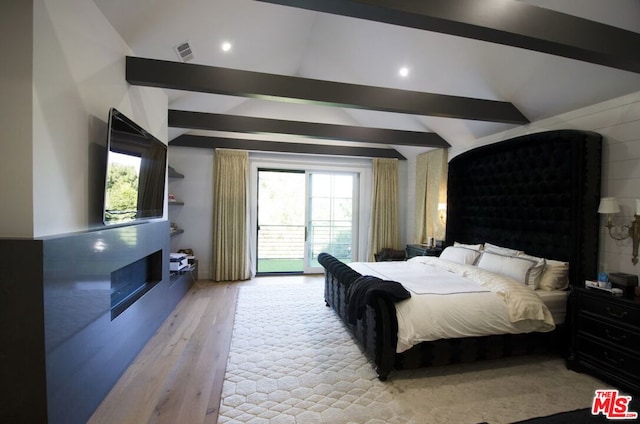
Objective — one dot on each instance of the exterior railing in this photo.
(281, 242)
(287, 241)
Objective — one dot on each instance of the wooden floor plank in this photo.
(186, 399)
(153, 387)
(178, 376)
(192, 343)
(223, 330)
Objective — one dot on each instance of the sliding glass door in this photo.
(331, 221)
(281, 221)
(301, 214)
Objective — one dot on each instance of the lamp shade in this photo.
(608, 205)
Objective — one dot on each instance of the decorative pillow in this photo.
(536, 272)
(505, 251)
(460, 255)
(515, 267)
(468, 246)
(555, 275)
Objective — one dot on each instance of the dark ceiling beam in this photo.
(245, 124)
(211, 79)
(200, 141)
(511, 23)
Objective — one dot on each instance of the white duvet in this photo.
(450, 300)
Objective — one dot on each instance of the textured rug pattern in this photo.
(292, 361)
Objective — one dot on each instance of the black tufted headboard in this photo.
(538, 193)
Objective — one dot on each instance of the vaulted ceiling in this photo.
(326, 72)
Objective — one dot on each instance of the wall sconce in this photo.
(442, 212)
(609, 206)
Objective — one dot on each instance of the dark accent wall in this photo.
(22, 361)
(60, 350)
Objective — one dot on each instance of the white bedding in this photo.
(411, 275)
(556, 301)
(468, 302)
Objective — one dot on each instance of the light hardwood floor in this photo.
(178, 376)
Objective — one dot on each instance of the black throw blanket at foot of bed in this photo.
(364, 288)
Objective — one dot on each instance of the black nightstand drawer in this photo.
(619, 336)
(605, 337)
(610, 359)
(614, 310)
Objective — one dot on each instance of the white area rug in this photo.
(292, 361)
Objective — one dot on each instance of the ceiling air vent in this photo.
(184, 51)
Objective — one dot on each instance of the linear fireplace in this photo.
(131, 282)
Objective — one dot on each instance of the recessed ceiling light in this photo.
(404, 72)
(226, 46)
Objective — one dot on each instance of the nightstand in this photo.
(421, 250)
(605, 338)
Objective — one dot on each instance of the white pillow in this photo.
(515, 267)
(536, 272)
(555, 275)
(460, 255)
(488, 247)
(468, 246)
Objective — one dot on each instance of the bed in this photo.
(536, 196)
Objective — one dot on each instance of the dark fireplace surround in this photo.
(75, 311)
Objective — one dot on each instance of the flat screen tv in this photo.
(135, 177)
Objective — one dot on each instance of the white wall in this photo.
(16, 179)
(78, 75)
(618, 121)
(196, 215)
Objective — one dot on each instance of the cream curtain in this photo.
(384, 209)
(230, 257)
(431, 191)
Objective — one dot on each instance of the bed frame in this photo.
(538, 193)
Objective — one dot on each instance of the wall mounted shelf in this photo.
(172, 173)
